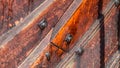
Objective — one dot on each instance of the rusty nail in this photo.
(117, 3)
(79, 51)
(47, 54)
(68, 38)
(43, 24)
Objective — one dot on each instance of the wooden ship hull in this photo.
(59, 34)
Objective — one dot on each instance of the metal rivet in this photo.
(79, 51)
(68, 38)
(47, 54)
(117, 3)
(43, 24)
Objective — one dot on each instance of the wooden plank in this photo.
(15, 47)
(111, 37)
(35, 53)
(118, 23)
(114, 61)
(81, 20)
(6, 37)
(104, 3)
(92, 48)
(14, 11)
(67, 15)
(90, 54)
(69, 12)
(78, 24)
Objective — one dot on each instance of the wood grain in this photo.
(69, 13)
(77, 25)
(35, 53)
(25, 44)
(15, 50)
(114, 61)
(92, 46)
(14, 11)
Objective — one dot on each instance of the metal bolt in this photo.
(43, 24)
(68, 38)
(117, 3)
(47, 54)
(79, 51)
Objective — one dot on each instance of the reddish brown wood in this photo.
(38, 50)
(104, 3)
(77, 26)
(91, 54)
(111, 44)
(16, 50)
(114, 61)
(14, 11)
(63, 19)
(107, 38)
(92, 51)
(104, 40)
(27, 45)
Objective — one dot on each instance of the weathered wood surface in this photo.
(104, 3)
(14, 11)
(35, 53)
(15, 48)
(25, 45)
(103, 44)
(92, 50)
(118, 27)
(110, 35)
(114, 61)
(61, 22)
(77, 26)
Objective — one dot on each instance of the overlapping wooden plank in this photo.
(16, 46)
(90, 54)
(77, 25)
(69, 12)
(65, 18)
(92, 48)
(35, 53)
